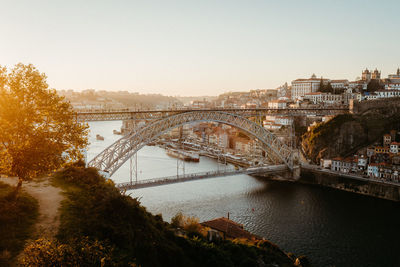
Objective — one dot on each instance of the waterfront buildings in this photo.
(381, 161)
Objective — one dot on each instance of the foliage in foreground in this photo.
(17, 218)
(39, 132)
(83, 252)
(95, 210)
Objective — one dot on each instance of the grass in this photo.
(17, 219)
(95, 209)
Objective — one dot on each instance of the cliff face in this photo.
(345, 134)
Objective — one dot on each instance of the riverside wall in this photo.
(357, 107)
(337, 181)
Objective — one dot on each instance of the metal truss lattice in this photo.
(114, 156)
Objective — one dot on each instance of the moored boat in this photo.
(183, 155)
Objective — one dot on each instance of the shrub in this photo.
(17, 219)
(83, 252)
(95, 209)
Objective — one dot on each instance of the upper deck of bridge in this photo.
(129, 114)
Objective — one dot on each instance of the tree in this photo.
(374, 85)
(39, 132)
(325, 88)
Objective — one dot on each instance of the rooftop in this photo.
(230, 228)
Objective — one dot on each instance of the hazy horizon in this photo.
(191, 48)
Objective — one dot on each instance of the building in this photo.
(362, 163)
(283, 120)
(242, 144)
(388, 93)
(276, 104)
(381, 150)
(376, 75)
(370, 151)
(324, 98)
(340, 84)
(373, 170)
(395, 76)
(283, 91)
(387, 139)
(271, 125)
(301, 87)
(229, 229)
(276, 122)
(370, 75)
(198, 104)
(336, 164)
(392, 86)
(394, 147)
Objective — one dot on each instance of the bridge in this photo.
(197, 176)
(114, 156)
(162, 121)
(126, 114)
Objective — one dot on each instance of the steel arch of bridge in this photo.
(114, 156)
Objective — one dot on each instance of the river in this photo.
(330, 227)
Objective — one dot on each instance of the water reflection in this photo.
(332, 227)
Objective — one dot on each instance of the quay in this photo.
(313, 174)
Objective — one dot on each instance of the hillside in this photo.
(101, 226)
(345, 134)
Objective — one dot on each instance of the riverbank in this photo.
(332, 227)
(344, 182)
(126, 234)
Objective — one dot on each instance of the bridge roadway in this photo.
(197, 176)
(126, 114)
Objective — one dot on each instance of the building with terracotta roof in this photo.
(394, 147)
(229, 229)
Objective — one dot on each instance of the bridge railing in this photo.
(175, 178)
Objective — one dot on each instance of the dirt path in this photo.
(49, 198)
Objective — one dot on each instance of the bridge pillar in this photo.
(296, 172)
(296, 166)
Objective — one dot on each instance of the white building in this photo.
(283, 90)
(387, 93)
(277, 104)
(392, 86)
(340, 84)
(324, 98)
(283, 120)
(394, 147)
(362, 163)
(271, 125)
(394, 76)
(301, 87)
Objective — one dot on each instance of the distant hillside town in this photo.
(313, 92)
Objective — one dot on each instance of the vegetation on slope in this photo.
(345, 134)
(17, 219)
(118, 231)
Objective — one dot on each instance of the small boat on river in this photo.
(183, 155)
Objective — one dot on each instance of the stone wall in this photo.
(357, 107)
(384, 191)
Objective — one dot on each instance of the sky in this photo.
(194, 48)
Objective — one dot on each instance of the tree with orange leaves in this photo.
(38, 129)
